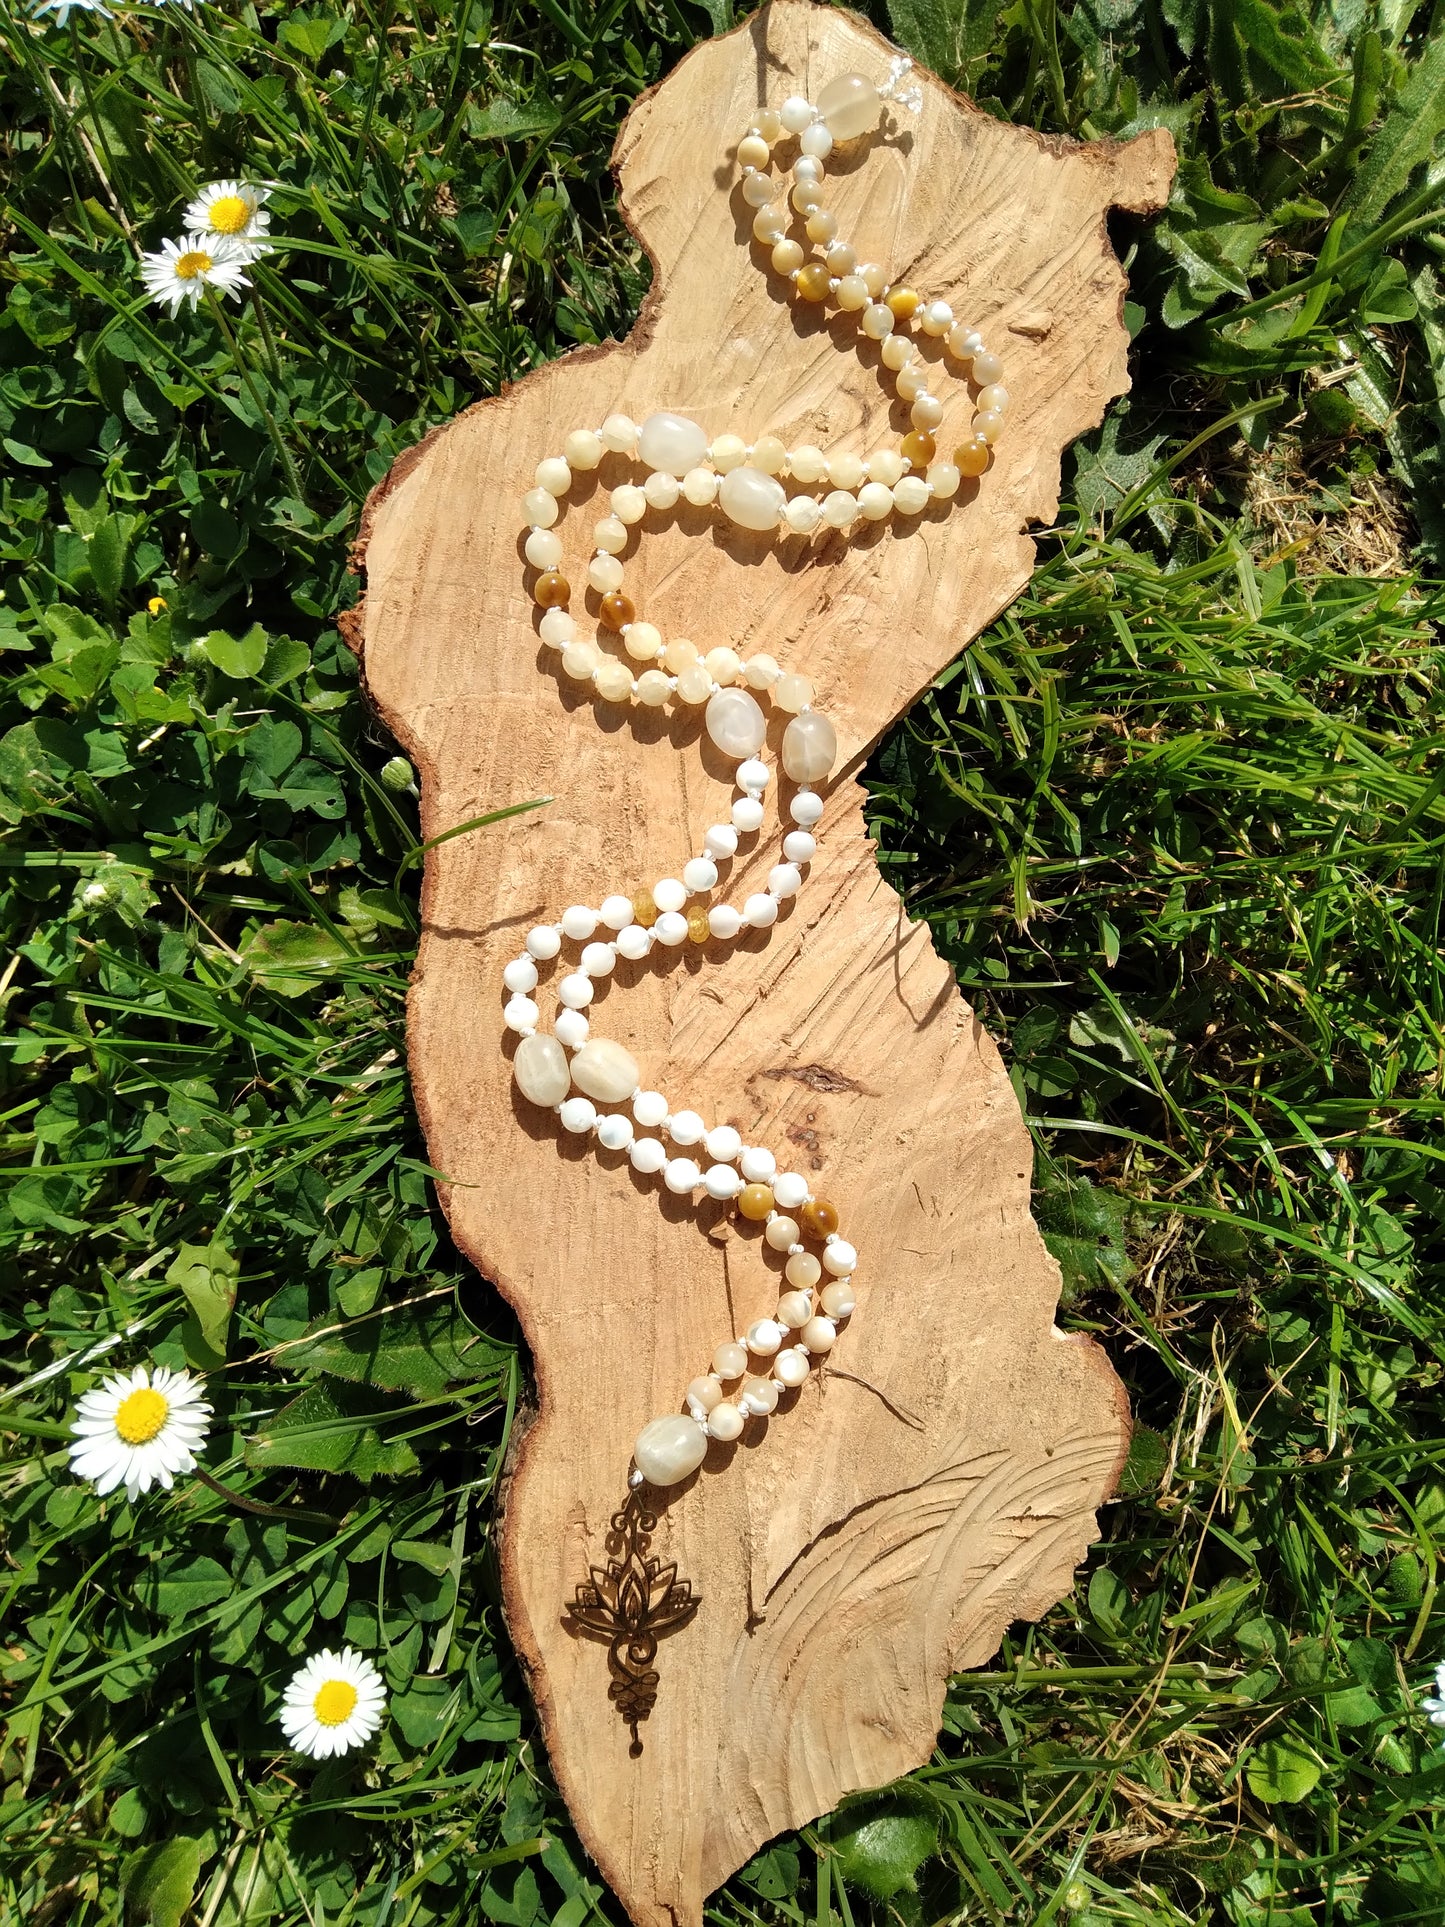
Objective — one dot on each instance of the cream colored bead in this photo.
(643, 641)
(910, 495)
(926, 412)
(700, 486)
(653, 688)
(661, 489)
(886, 466)
(553, 474)
(752, 499)
(694, 684)
(583, 449)
(912, 382)
(770, 455)
(792, 693)
(839, 508)
(724, 665)
(987, 369)
(810, 748)
(875, 501)
(753, 151)
(579, 659)
(845, 470)
(725, 1422)
(557, 628)
(780, 1232)
(769, 226)
(619, 434)
(819, 1334)
(540, 1068)
(544, 549)
(840, 1258)
(852, 292)
(841, 259)
(759, 1396)
(898, 351)
(994, 399)
(730, 1360)
(790, 1368)
(539, 508)
(874, 279)
(816, 140)
(672, 443)
(610, 535)
(945, 479)
(877, 322)
(988, 426)
(604, 1070)
(728, 452)
(807, 464)
(795, 1308)
(669, 1449)
(769, 123)
(735, 723)
(807, 194)
(796, 113)
(964, 342)
(705, 1392)
(935, 317)
(628, 503)
(803, 1269)
(612, 680)
(680, 654)
(849, 106)
(604, 572)
(788, 256)
(839, 1299)
(760, 672)
(802, 514)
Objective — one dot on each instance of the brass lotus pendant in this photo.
(631, 1604)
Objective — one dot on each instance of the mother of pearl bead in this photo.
(752, 499)
(605, 1070)
(810, 747)
(669, 1448)
(671, 443)
(734, 720)
(849, 106)
(540, 1068)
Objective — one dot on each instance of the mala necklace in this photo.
(598, 1093)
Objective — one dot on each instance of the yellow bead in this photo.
(697, 928)
(971, 457)
(920, 448)
(644, 909)
(812, 282)
(820, 1217)
(551, 590)
(769, 454)
(903, 302)
(755, 1201)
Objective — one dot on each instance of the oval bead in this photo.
(735, 722)
(540, 1068)
(810, 747)
(849, 106)
(605, 1070)
(671, 443)
(669, 1449)
(752, 499)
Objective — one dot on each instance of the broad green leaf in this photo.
(186, 1585)
(238, 657)
(292, 958)
(1282, 1770)
(331, 1428)
(159, 1882)
(1406, 140)
(1108, 1602)
(207, 1275)
(416, 1349)
(880, 1844)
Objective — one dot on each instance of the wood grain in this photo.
(940, 1479)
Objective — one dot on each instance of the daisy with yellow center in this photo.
(333, 1704)
(181, 270)
(235, 210)
(139, 1429)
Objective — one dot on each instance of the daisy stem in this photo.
(292, 477)
(271, 355)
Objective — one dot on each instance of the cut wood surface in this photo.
(939, 1478)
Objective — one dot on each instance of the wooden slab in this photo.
(940, 1479)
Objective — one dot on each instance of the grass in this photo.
(1176, 820)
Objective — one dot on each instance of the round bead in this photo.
(769, 454)
(752, 499)
(725, 1423)
(790, 1189)
(784, 880)
(799, 847)
(575, 991)
(988, 427)
(936, 318)
(619, 433)
(686, 1128)
(681, 1175)
(628, 503)
(541, 1070)
(578, 1114)
(788, 256)
(669, 894)
(943, 479)
(987, 369)
(724, 665)
(661, 490)
(760, 1396)
(543, 941)
(790, 1368)
(812, 285)
(769, 123)
(721, 840)
(840, 1258)
(551, 590)
(700, 486)
(554, 475)
(995, 397)
(964, 342)
(614, 1132)
(705, 1392)
(897, 352)
(817, 141)
(760, 910)
(911, 495)
(671, 928)
(580, 660)
(724, 921)
(570, 1028)
(747, 814)
(540, 508)
(521, 1014)
(760, 191)
(810, 747)
(765, 1337)
(920, 448)
(669, 1449)
(781, 1233)
(578, 922)
(694, 684)
(753, 775)
(795, 1308)
(649, 1108)
(755, 1201)
(841, 259)
(557, 628)
(971, 457)
(802, 514)
(544, 549)
(723, 1144)
(633, 942)
(730, 1360)
(803, 1270)
(727, 453)
(839, 1299)
(673, 443)
(796, 113)
(610, 535)
(520, 975)
(582, 449)
(604, 1070)
(616, 912)
(903, 301)
(753, 151)
(720, 1181)
(851, 293)
(822, 223)
(806, 808)
(758, 1164)
(820, 1217)
(875, 501)
(647, 1155)
(845, 470)
(839, 508)
(818, 1334)
(877, 321)
(699, 873)
(643, 641)
(792, 693)
(926, 412)
(604, 573)
(735, 723)
(807, 463)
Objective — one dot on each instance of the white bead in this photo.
(752, 499)
(765, 1337)
(699, 873)
(578, 922)
(578, 1114)
(886, 465)
(802, 514)
(649, 1108)
(617, 912)
(721, 840)
(680, 1175)
(722, 1182)
(799, 847)
(730, 1360)
(723, 921)
(602, 1069)
(810, 747)
(570, 1028)
(818, 1334)
(628, 503)
(520, 975)
(875, 501)
(582, 448)
(543, 941)
(554, 475)
(758, 1164)
(669, 1449)
(725, 1422)
(790, 1189)
(935, 317)
(817, 141)
(840, 1258)
(633, 942)
(614, 1132)
(735, 723)
(598, 960)
(759, 1396)
(747, 814)
(850, 105)
(539, 508)
(521, 1014)
(558, 628)
(805, 808)
(845, 469)
(700, 486)
(648, 1155)
(754, 774)
(877, 321)
(723, 1144)
(610, 535)
(911, 495)
(686, 1127)
(796, 113)
(619, 433)
(668, 894)
(575, 991)
(760, 910)
(671, 442)
(544, 549)
(604, 572)
(838, 1299)
(790, 1368)
(760, 672)
(784, 880)
(839, 508)
(670, 928)
(661, 490)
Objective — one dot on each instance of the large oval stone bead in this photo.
(671, 443)
(540, 1068)
(752, 499)
(605, 1070)
(735, 723)
(849, 106)
(669, 1448)
(810, 747)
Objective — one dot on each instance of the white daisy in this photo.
(62, 9)
(183, 268)
(236, 210)
(333, 1704)
(139, 1430)
(1434, 1704)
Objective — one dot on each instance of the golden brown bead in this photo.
(552, 591)
(819, 1217)
(812, 282)
(971, 457)
(920, 448)
(904, 302)
(697, 927)
(644, 909)
(616, 610)
(755, 1201)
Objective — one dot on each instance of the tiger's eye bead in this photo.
(697, 925)
(971, 457)
(819, 1217)
(919, 447)
(644, 909)
(904, 302)
(755, 1201)
(616, 610)
(812, 282)
(552, 591)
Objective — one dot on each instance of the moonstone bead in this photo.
(805, 808)
(582, 448)
(699, 873)
(648, 1155)
(796, 113)
(619, 433)
(671, 928)
(795, 1308)
(614, 1132)
(543, 941)
(720, 1181)
(753, 775)
(799, 847)
(910, 495)
(570, 1028)
(700, 486)
(605, 1070)
(849, 105)
(544, 549)
(721, 840)
(752, 499)
(735, 723)
(540, 1068)
(705, 1392)
(669, 1449)
(803, 1269)
(671, 442)
(521, 1014)
(633, 942)
(758, 1164)
(598, 960)
(686, 1128)
(730, 1360)
(724, 921)
(578, 1114)
(761, 910)
(723, 1144)
(520, 976)
(681, 1175)
(810, 747)
(649, 1108)
(765, 1336)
